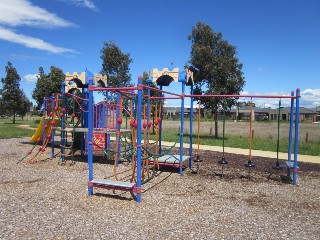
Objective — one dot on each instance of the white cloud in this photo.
(31, 78)
(23, 13)
(25, 57)
(310, 98)
(31, 42)
(83, 3)
(15, 13)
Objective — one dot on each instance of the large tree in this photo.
(216, 67)
(115, 64)
(12, 95)
(47, 84)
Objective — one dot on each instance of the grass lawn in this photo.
(10, 130)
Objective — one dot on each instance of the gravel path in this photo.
(47, 201)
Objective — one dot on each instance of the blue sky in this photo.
(277, 41)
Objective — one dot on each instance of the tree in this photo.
(25, 106)
(216, 68)
(153, 93)
(12, 95)
(115, 65)
(47, 84)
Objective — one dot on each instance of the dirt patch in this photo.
(26, 127)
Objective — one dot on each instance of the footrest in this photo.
(115, 185)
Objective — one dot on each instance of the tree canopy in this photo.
(13, 99)
(47, 84)
(115, 64)
(216, 68)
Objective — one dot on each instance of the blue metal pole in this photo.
(90, 137)
(181, 128)
(138, 186)
(290, 134)
(191, 120)
(296, 138)
(52, 127)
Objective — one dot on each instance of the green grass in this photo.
(10, 130)
(237, 141)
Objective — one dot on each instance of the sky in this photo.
(278, 42)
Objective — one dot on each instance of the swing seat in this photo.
(114, 185)
(169, 160)
(291, 166)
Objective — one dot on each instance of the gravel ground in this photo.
(44, 200)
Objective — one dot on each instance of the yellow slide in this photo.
(38, 132)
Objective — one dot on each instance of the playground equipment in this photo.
(57, 109)
(223, 160)
(277, 165)
(198, 160)
(249, 163)
(97, 122)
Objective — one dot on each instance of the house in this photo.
(243, 114)
(175, 112)
(262, 114)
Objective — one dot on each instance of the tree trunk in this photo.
(216, 134)
(14, 118)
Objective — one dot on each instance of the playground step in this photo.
(111, 184)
